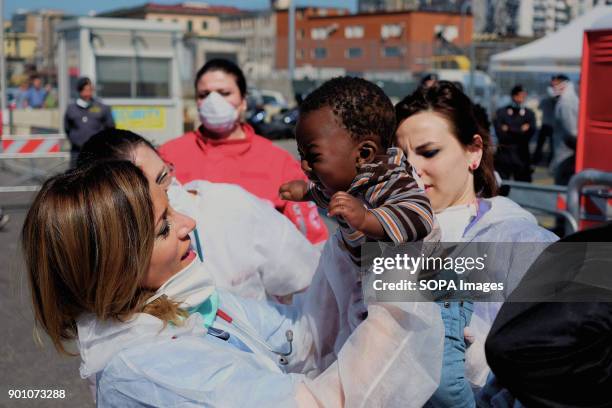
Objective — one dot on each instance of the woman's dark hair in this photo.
(220, 64)
(467, 119)
(111, 143)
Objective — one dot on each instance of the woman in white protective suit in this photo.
(250, 248)
(110, 264)
(446, 138)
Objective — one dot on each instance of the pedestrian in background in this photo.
(36, 94)
(565, 130)
(545, 135)
(21, 97)
(514, 126)
(85, 117)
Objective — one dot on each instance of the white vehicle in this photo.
(273, 98)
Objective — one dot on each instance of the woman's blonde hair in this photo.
(87, 242)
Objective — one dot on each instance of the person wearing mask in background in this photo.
(36, 94)
(547, 107)
(514, 126)
(225, 150)
(84, 118)
(565, 130)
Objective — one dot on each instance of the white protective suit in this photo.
(250, 248)
(499, 220)
(392, 359)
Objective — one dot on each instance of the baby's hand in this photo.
(348, 207)
(356, 215)
(293, 190)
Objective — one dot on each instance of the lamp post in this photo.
(291, 38)
(2, 63)
(465, 7)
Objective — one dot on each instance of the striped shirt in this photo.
(390, 192)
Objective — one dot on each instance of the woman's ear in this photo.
(474, 152)
(366, 152)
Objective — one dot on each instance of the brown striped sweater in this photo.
(390, 192)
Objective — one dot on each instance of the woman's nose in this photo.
(184, 223)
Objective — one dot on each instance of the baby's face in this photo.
(327, 151)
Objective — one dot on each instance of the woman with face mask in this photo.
(226, 150)
(447, 141)
(110, 264)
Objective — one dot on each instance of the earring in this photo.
(473, 166)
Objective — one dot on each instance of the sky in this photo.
(83, 7)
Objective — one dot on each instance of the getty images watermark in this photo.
(411, 265)
(488, 271)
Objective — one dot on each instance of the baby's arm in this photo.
(296, 190)
(356, 215)
(403, 209)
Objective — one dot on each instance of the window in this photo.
(320, 53)
(152, 77)
(354, 52)
(128, 77)
(448, 32)
(392, 52)
(300, 53)
(114, 77)
(353, 32)
(391, 31)
(204, 25)
(318, 33)
(300, 34)
(189, 26)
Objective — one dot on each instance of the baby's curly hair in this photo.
(361, 107)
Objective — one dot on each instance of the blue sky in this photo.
(85, 6)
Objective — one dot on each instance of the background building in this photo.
(195, 18)
(369, 6)
(255, 30)
(376, 42)
(40, 25)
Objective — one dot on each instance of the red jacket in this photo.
(253, 163)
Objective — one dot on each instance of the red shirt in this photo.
(253, 163)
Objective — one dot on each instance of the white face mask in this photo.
(83, 103)
(217, 114)
(190, 287)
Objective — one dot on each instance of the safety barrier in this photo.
(35, 150)
(585, 202)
